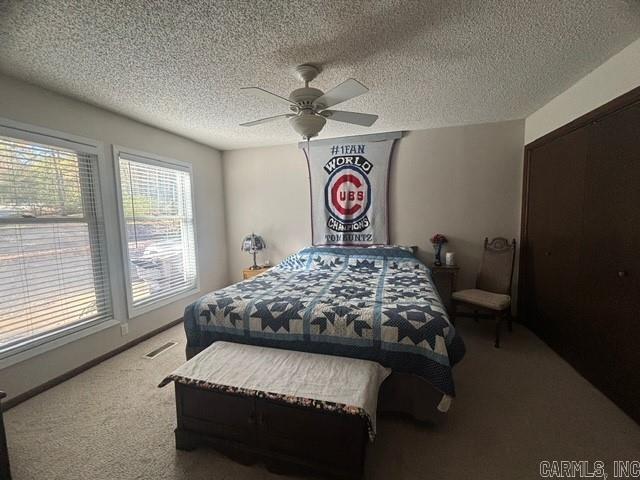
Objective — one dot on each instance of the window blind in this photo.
(160, 240)
(53, 269)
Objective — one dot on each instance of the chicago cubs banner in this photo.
(349, 182)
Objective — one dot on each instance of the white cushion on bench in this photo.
(327, 378)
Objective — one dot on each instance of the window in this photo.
(53, 268)
(157, 217)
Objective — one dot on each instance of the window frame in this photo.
(36, 345)
(164, 162)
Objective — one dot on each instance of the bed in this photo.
(375, 303)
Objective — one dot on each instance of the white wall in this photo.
(32, 105)
(464, 182)
(616, 76)
(266, 192)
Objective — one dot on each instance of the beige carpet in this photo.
(515, 406)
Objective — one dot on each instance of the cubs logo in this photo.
(348, 196)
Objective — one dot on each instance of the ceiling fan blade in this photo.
(364, 119)
(345, 91)
(266, 120)
(262, 93)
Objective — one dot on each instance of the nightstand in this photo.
(249, 273)
(445, 278)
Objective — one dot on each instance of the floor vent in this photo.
(162, 348)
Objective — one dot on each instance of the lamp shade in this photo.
(253, 243)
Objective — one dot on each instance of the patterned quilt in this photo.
(376, 304)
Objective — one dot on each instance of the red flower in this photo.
(438, 238)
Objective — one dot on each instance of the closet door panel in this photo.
(612, 250)
(557, 182)
(539, 268)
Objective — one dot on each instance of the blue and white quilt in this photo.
(376, 304)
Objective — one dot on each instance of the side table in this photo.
(445, 278)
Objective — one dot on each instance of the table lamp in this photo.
(253, 243)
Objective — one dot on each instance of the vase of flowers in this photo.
(437, 241)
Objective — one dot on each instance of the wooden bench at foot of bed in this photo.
(285, 438)
(292, 411)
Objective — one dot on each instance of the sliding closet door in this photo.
(612, 247)
(556, 189)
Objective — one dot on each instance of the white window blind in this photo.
(53, 268)
(158, 215)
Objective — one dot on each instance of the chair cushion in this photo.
(482, 298)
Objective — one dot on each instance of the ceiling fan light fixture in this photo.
(308, 125)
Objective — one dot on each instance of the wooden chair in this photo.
(492, 294)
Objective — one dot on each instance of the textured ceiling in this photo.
(178, 65)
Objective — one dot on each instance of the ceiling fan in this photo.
(310, 106)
